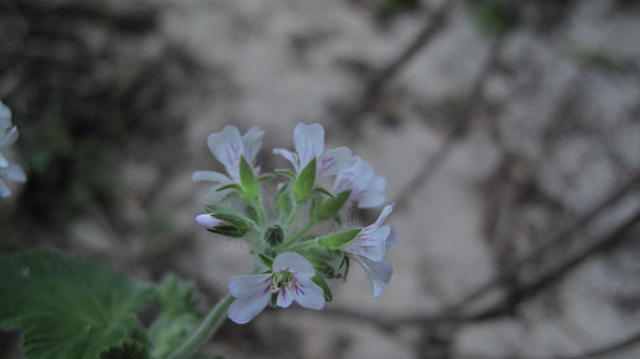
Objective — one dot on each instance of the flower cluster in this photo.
(291, 263)
(8, 135)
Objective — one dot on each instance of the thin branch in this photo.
(555, 239)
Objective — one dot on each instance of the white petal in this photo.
(210, 176)
(294, 263)
(308, 141)
(252, 141)
(371, 245)
(374, 194)
(4, 163)
(290, 156)
(333, 161)
(308, 294)
(227, 147)
(9, 137)
(5, 117)
(285, 297)
(209, 222)
(392, 239)
(379, 274)
(244, 309)
(4, 190)
(14, 173)
(386, 211)
(249, 285)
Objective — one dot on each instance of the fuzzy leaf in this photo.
(303, 187)
(69, 307)
(317, 279)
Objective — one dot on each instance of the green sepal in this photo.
(304, 183)
(344, 267)
(274, 235)
(266, 177)
(339, 239)
(286, 173)
(268, 261)
(239, 224)
(284, 203)
(248, 180)
(330, 208)
(319, 280)
(323, 191)
(233, 186)
(252, 213)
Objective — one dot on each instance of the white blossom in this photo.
(209, 222)
(8, 135)
(368, 249)
(290, 280)
(308, 141)
(228, 146)
(367, 189)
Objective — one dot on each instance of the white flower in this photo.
(367, 189)
(290, 280)
(8, 135)
(227, 146)
(368, 249)
(308, 141)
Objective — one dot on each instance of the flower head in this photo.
(8, 135)
(289, 280)
(228, 146)
(308, 141)
(367, 189)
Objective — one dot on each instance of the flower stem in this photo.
(301, 232)
(204, 332)
(294, 213)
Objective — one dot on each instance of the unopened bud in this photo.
(209, 222)
(274, 235)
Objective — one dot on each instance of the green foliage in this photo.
(320, 281)
(239, 224)
(303, 186)
(178, 316)
(339, 239)
(274, 235)
(284, 202)
(248, 180)
(71, 308)
(329, 209)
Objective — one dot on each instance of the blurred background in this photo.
(508, 132)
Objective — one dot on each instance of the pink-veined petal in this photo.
(379, 274)
(289, 156)
(285, 297)
(308, 294)
(244, 309)
(370, 245)
(294, 263)
(335, 160)
(249, 285)
(386, 211)
(227, 147)
(252, 141)
(308, 141)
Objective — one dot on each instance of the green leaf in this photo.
(266, 260)
(266, 177)
(330, 208)
(339, 239)
(248, 180)
(178, 316)
(323, 191)
(317, 279)
(69, 307)
(233, 186)
(303, 187)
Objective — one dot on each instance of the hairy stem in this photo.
(204, 332)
